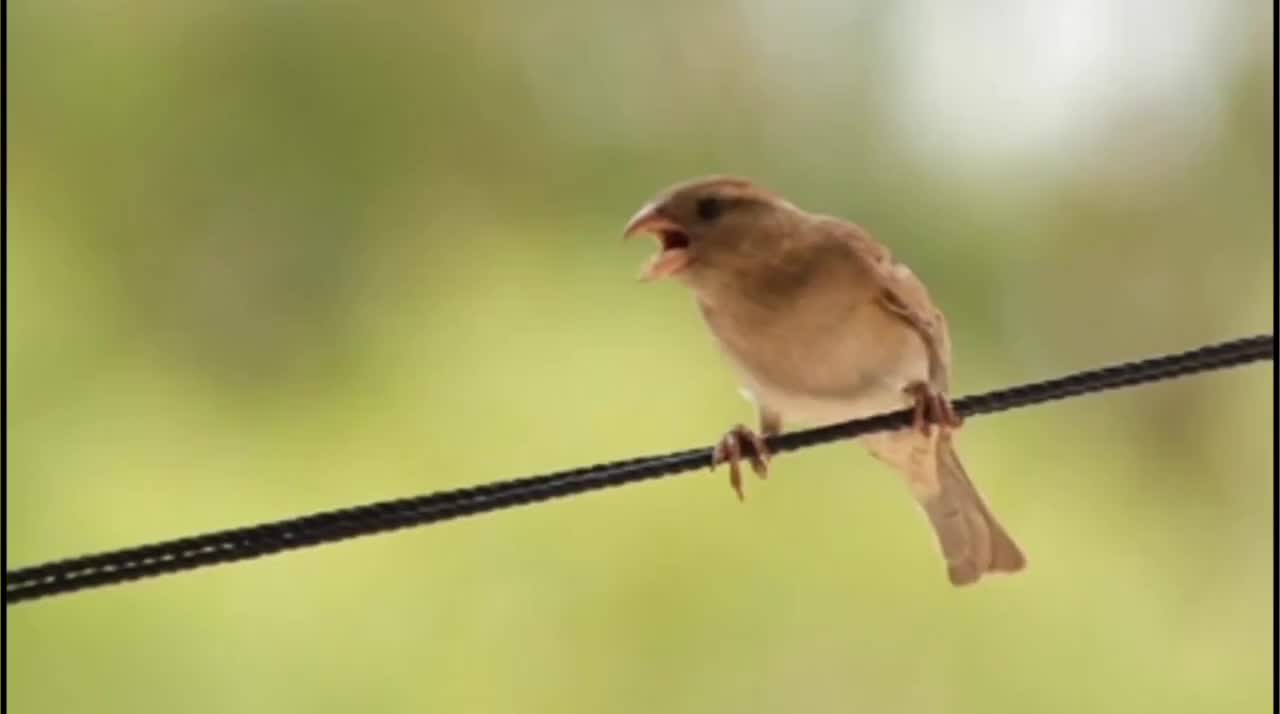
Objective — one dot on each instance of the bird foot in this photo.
(730, 450)
(931, 407)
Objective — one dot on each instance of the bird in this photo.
(820, 323)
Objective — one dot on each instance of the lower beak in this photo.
(669, 260)
(665, 264)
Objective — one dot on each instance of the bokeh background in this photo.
(267, 258)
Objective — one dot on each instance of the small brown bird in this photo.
(821, 325)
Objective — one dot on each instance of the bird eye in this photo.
(709, 208)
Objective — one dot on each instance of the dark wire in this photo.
(146, 561)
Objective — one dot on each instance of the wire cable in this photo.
(113, 567)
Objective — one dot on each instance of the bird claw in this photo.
(931, 407)
(730, 450)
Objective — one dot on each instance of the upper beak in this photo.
(648, 220)
(672, 256)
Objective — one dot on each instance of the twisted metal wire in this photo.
(113, 567)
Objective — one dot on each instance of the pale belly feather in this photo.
(856, 368)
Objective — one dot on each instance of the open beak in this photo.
(673, 256)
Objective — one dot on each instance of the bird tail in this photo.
(973, 541)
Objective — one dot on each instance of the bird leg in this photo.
(931, 407)
(730, 450)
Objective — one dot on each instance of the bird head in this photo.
(711, 225)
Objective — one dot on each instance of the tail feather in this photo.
(973, 542)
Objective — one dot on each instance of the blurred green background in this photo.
(267, 258)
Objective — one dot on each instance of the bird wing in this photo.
(903, 295)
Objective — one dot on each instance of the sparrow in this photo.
(821, 324)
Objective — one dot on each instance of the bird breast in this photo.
(821, 358)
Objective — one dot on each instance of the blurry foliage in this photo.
(270, 257)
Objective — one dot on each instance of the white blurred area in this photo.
(965, 88)
(1025, 82)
